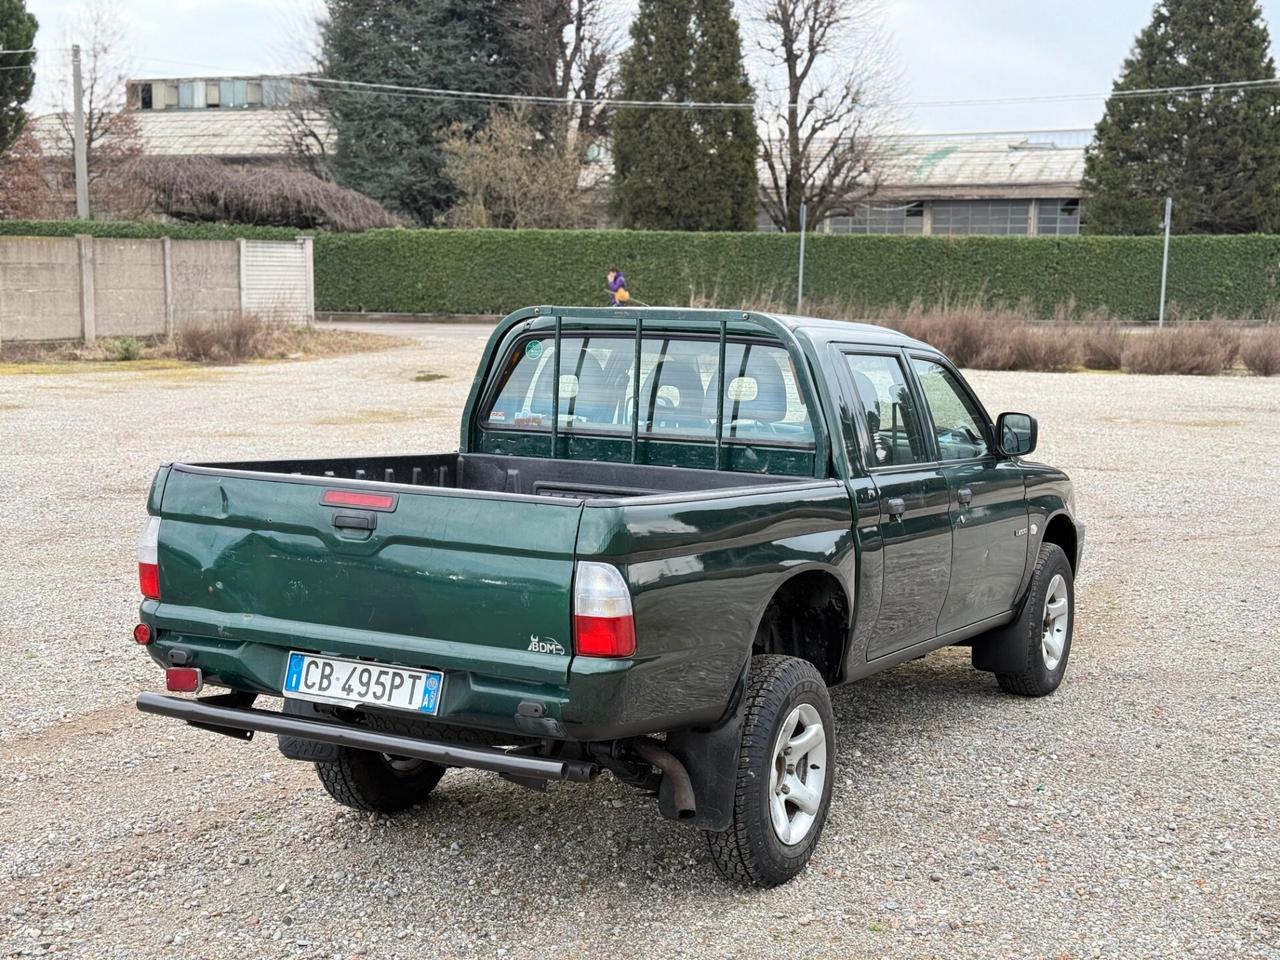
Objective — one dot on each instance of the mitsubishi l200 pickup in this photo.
(665, 534)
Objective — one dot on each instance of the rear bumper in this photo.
(248, 719)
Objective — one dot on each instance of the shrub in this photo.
(230, 339)
(122, 348)
(1260, 352)
(1203, 349)
(1054, 348)
(1102, 346)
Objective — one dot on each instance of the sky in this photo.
(946, 50)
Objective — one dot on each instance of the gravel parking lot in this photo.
(1133, 814)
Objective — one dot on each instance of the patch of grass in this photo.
(426, 376)
(360, 417)
(55, 367)
(123, 348)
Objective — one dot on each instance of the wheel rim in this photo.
(1057, 618)
(403, 766)
(798, 776)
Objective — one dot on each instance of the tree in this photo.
(678, 168)
(566, 50)
(1215, 151)
(17, 32)
(825, 114)
(24, 194)
(388, 143)
(509, 177)
(112, 138)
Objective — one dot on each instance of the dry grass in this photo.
(1102, 346)
(1260, 351)
(1202, 350)
(230, 340)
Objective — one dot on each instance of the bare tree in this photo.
(24, 193)
(112, 137)
(824, 107)
(510, 177)
(570, 50)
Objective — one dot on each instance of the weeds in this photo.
(1205, 349)
(123, 348)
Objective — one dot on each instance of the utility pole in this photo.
(800, 285)
(1164, 269)
(81, 147)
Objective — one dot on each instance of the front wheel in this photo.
(377, 782)
(1029, 656)
(786, 767)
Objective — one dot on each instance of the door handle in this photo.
(897, 507)
(965, 496)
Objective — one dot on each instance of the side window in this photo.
(881, 386)
(955, 418)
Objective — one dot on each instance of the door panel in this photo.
(989, 541)
(917, 559)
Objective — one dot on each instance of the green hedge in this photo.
(129, 230)
(495, 271)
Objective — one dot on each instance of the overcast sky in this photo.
(947, 50)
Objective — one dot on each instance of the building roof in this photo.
(926, 169)
(229, 134)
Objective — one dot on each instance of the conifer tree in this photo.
(1215, 152)
(675, 168)
(17, 32)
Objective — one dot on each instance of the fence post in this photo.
(168, 288)
(308, 249)
(244, 288)
(88, 320)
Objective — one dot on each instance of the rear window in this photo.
(678, 379)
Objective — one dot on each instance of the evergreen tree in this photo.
(17, 32)
(388, 146)
(678, 169)
(1216, 152)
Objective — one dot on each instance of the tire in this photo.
(378, 783)
(1029, 656)
(752, 851)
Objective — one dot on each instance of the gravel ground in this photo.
(1133, 814)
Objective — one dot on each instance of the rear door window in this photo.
(677, 384)
(881, 386)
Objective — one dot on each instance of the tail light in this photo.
(148, 562)
(142, 634)
(603, 624)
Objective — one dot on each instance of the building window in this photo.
(1001, 218)
(1059, 218)
(144, 96)
(899, 218)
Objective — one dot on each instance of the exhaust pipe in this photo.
(682, 790)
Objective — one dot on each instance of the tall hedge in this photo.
(495, 271)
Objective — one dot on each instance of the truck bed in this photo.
(574, 479)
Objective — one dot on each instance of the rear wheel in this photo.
(377, 782)
(785, 774)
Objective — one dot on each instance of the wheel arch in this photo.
(809, 615)
(1060, 529)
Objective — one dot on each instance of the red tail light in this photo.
(148, 561)
(142, 634)
(603, 623)
(183, 679)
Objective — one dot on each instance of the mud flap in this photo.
(295, 748)
(710, 755)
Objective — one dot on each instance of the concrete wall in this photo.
(39, 289)
(73, 288)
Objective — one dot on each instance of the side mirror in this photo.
(1018, 433)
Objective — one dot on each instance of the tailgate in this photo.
(452, 579)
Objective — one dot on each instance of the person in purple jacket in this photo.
(618, 293)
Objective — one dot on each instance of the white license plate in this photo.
(361, 683)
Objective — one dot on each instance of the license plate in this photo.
(361, 683)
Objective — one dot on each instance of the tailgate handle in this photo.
(355, 521)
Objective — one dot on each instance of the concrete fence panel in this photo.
(206, 281)
(128, 288)
(39, 289)
(275, 279)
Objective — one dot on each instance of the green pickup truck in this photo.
(664, 535)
